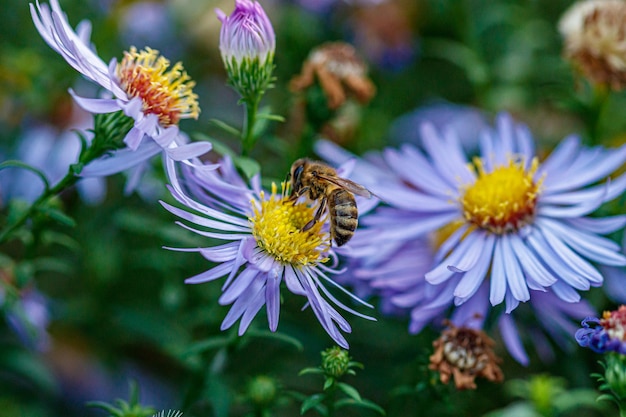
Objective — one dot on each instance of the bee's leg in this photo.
(318, 214)
(295, 196)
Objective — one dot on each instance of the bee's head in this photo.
(295, 174)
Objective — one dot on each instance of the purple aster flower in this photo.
(606, 334)
(257, 243)
(247, 45)
(504, 217)
(144, 87)
(505, 230)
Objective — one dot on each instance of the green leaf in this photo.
(606, 397)
(58, 215)
(104, 406)
(273, 117)
(22, 165)
(306, 371)
(328, 383)
(248, 166)
(29, 368)
(207, 344)
(363, 403)
(350, 391)
(353, 364)
(49, 237)
(216, 391)
(281, 337)
(575, 399)
(226, 127)
(314, 401)
(53, 264)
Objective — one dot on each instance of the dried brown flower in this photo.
(339, 71)
(594, 32)
(464, 354)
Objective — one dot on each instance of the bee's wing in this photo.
(347, 185)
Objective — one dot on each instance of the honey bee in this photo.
(320, 182)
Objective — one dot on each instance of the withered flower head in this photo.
(465, 354)
(594, 32)
(339, 71)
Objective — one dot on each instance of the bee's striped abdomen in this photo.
(343, 216)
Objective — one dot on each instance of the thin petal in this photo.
(532, 267)
(474, 252)
(593, 247)
(556, 263)
(96, 105)
(210, 275)
(511, 339)
(577, 263)
(472, 279)
(272, 298)
(118, 161)
(498, 275)
(241, 284)
(189, 151)
(514, 276)
(441, 272)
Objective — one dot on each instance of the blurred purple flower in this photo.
(465, 121)
(149, 23)
(546, 318)
(28, 315)
(615, 280)
(155, 96)
(52, 152)
(606, 334)
(264, 246)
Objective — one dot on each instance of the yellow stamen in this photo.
(277, 227)
(503, 200)
(165, 93)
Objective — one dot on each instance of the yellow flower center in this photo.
(277, 227)
(165, 93)
(503, 200)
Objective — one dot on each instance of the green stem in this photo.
(330, 400)
(87, 155)
(248, 138)
(597, 103)
(67, 181)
